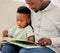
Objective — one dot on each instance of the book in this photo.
(21, 43)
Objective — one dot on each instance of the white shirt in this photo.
(21, 33)
(46, 23)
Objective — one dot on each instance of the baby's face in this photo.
(22, 20)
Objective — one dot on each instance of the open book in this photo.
(24, 44)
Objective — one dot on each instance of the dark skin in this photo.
(5, 33)
(36, 5)
(44, 41)
(31, 38)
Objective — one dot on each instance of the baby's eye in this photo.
(30, 3)
(21, 21)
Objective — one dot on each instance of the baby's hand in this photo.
(5, 33)
(31, 38)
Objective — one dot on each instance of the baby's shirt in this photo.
(22, 33)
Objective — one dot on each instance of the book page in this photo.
(21, 43)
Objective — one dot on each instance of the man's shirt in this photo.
(46, 23)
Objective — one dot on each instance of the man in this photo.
(46, 23)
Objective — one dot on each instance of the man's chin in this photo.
(35, 10)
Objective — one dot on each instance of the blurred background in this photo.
(8, 12)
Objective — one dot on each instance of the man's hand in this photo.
(44, 41)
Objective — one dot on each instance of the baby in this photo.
(23, 30)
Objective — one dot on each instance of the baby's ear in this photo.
(29, 20)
